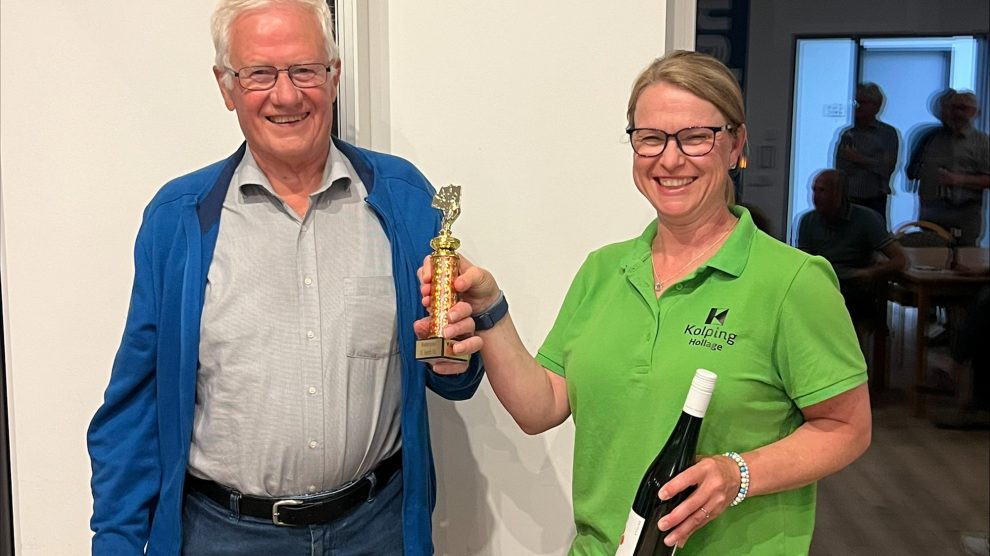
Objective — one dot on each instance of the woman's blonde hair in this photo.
(704, 77)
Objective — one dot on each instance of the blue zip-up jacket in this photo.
(139, 438)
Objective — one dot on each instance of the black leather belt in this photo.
(304, 510)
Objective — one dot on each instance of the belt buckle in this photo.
(373, 479)
(279, 504)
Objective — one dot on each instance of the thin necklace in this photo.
(658, 285)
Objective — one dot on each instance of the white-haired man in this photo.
(952, 166)
(265, 398)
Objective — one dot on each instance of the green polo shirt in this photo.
(766, 318)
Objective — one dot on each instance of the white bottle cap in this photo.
(700, 393)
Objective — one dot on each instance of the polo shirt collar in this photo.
(847, 212)
(734, 254)
(641, 249)
(844, 215)
(730, 259)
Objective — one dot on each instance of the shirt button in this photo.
(310, 334)
(312, 444)
(312, 390)
(308, 281)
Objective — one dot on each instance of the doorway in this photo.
(911, 71)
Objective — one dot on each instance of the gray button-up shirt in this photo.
(964, 152)
(878, 142)
(298, 388)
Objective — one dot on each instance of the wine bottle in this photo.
(641, 536)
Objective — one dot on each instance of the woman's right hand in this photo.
(474, 285)
(535, 397)
(477, 291)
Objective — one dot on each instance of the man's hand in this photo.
(850, 154)
(477, 291)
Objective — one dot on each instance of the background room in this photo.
(521, 103)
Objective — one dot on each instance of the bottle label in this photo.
(630, 536)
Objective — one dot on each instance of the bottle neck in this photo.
(682, 440)
(696, 403)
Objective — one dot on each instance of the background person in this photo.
(867, 152)
(952, 166)
(625, 345)
(263, 399)
(850, 237)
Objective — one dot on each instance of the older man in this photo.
(952, 167)
(867, 152)
(850, 237)
(265, 398)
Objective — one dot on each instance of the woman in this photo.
(700, 287)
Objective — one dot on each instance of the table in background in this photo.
(923, 286)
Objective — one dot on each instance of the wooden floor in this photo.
(918, 490)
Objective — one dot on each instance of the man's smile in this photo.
(287, 119)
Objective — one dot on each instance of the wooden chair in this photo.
(926, 245)
(925, 234)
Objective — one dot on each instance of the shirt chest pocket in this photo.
(369, 314)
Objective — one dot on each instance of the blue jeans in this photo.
(372, 528)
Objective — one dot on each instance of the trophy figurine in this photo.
(445, 263)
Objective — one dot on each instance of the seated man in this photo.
(849, 236)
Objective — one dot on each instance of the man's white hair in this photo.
(229, 10)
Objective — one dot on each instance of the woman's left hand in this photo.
(716, 481)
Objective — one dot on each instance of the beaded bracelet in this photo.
(743, 476)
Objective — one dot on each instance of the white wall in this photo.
(521, 102)
(526, 112)
(101, 104)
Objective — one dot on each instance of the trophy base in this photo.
(438, 349)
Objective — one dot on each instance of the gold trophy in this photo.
(445, 268)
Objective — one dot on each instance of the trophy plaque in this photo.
(445, 268)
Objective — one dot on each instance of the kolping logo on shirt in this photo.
(711, 335)
(717, 314)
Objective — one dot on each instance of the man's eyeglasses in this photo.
(262, 78)
(692, 141)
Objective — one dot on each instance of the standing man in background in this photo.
(867, 152)
(952, 166)
(265, 398)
